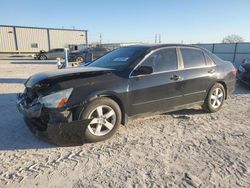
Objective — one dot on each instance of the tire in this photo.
(91, 132)
(43, 57)
(215, 98)
(79, 59)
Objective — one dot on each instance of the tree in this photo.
(232, 39)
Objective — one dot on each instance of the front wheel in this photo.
(215, 98)
(43, 57)
(106, 118)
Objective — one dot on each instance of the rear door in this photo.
(199, 74)
(159, 91)
(50, 53)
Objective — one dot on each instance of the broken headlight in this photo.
(56, 100)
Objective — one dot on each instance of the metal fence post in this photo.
(235, 51)
(213, 48)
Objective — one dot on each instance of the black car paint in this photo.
(79, 53)
(244, 77)
(88, 54)
(136, 95)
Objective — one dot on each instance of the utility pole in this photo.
(155, 38)
(100, 38)
(159, 38)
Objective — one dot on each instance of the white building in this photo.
(33, 39)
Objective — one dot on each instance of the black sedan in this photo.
(243, 73)
(88, 104)
(87, 55)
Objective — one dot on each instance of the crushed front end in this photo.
(49, 117)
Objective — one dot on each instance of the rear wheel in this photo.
(80, 59)
(106, 118)
(215, 98)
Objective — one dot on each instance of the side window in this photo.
(209, 61)
(162, 60)
(192, 58)
(58, 50)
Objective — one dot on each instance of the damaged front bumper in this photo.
(59, 130)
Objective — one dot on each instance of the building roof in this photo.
(65, 29)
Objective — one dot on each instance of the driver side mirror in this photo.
(143, 70)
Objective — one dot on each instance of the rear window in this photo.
(192, 58)
(209, 61)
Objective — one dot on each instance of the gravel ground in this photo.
(187, 148)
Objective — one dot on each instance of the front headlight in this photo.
(242, 69)
(56, 100)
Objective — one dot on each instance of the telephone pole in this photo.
(100, 38)
(159, 38)
(155, 38)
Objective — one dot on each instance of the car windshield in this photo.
(119, 59)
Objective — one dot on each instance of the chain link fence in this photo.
(235, 52)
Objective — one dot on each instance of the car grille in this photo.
(30, 95)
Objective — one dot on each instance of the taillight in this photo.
(234, 71)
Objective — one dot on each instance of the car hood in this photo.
(46, 78)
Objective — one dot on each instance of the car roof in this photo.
(156, 46)
(57, 49)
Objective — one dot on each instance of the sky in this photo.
(187, 21)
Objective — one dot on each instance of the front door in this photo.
(160, 90)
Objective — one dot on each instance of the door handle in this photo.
(175, 78)
(211, 71)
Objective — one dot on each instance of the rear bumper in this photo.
(60, 130)
(231, 86)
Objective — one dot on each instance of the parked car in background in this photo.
(78, 56)
(88, 103)
(51, 54)
(87, 54)
(243, 73)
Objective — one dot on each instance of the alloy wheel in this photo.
(103, 120)
(217, 98)
(79, 59)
